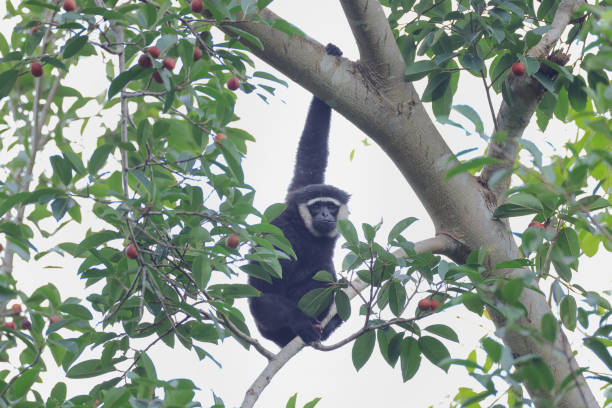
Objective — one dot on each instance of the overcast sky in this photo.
(378, 192)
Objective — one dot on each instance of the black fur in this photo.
(276, 311)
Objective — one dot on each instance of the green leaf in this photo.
(443, 331)
(472, 164)
(493, 349)
(512, 290)
(567, 309)
(577, 94)
(76, 310)
(313, 403)
(316, 301)
(88, 369)
(62, 168)
(253, 40)
(549, 327)
(472, 115)
(343, 305)
(23, 383)
(348, 231)
(400, 227)
(596, 345)
(436, 86)
(514, 263)
(362, 348)
(94, 240)
(269, 77)
(567, 241)
(54, 62)
(273, 211)
(201, 271)
(323, 276)
(7, 81)
(32, 42)
(98, 158)
(123, 79)
(410, 358)
(397, 297)
(419, 69)
(517, 205)
(292, 401)
(75, 162)
(74, 45)
(472, 62)
(435, 351)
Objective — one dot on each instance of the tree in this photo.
(179, 189)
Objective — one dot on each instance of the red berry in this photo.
(233, 83)
(16, 308)
(55, 319)
(154, 51)
(232, 241)
(144, 61)
(131, 252)
(36, 69)
(218, 138)
(536, 224)
(69, 5)
(157, 77)
(10, 325)
(197, 53)
(435, 304)
(425, 304)
(34, 30)
(197, 6)
(1, 247)
(168, 63)
(26, 324)
(518, 68)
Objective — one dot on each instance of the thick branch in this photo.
(460, 207)
(378, 50)
(526, 94)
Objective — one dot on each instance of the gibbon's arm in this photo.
(312, 153)
(311, 159)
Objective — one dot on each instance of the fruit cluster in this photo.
(15, 311)
(428, 304)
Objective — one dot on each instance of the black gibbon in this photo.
(309, 223)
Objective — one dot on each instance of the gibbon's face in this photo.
(321, 214)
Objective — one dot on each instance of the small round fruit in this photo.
(219, 137)
(197, 6)
(154, 51)
(197, 53)
(69, 5)
(34, 30)
(16, 308)
(435, 304)
(131, 251)
(1, 247)
(536, 224)
(36, 69)
(168, 63)
(424, 304)
(157, 77)
(10, 325)
(232, 241)
(55, 319)
(144, 61)
(518, 68)
(233, 83)
(26, 324)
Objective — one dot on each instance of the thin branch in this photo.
(488, 92)
(440, 244)
(526, 94)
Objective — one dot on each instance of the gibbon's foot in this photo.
(333, 50)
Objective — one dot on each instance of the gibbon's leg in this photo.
(275, 314)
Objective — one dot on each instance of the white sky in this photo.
(378, 192)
